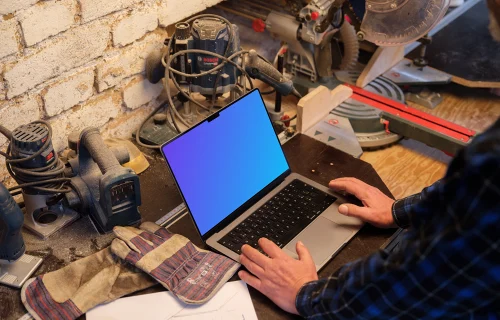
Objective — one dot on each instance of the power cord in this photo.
(167, 60)
(48, 180)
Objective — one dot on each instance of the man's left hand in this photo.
(279, 277)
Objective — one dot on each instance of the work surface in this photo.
(306, 156)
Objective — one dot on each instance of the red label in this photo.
(49, 156)
(211, 60)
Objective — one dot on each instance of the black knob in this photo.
(73, 139)
(160, 118)
(182, 31)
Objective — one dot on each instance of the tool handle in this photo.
(260, 69)
(91, 139)
(11, 221)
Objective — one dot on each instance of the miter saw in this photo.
(321, 40)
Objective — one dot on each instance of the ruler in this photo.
(171, 215)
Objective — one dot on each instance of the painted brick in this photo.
(140, 91)
(8, 35)
(173, 11)
(92, 9)
(3, 92)
(9, 6)
(16, 112)
(73, 49)
(67, 93)
(96, 112)
(47, 19)
(129, 61)
(134, 27)
(127, 123)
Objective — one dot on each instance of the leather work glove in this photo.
(192, 274)
(71, 291)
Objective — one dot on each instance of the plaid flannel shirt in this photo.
(448, 263)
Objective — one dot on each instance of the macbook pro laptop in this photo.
(238, 187)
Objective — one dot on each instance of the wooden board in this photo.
(317, 104)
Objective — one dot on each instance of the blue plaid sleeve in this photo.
(401, 208)
(448, 263)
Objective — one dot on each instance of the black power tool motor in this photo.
(208, 34)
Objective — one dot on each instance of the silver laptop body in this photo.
(325, 236)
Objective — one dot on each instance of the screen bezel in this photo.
(249, 203)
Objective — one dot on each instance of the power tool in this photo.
(101, 187)
(15, 266)
(320, 46)
(204, 57)
(55, 193)
(36, 167)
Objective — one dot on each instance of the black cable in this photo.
(48, 180)
(167, 60)
(6, 132)
(228, 48)
(170, 72)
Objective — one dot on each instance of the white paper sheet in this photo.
(232, 302)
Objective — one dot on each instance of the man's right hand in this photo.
(377, 208)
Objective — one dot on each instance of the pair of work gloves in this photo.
(136, 260)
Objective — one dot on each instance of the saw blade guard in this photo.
(399, 22)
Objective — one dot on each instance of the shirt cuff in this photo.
(400, 213)
(303, 301)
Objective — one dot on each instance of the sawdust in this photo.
(67, 245)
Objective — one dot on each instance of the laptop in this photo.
(238, 187)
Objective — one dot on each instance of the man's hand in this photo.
(377, 208)
(279, 277)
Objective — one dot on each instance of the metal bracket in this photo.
(15, 273)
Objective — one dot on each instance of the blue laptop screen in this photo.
(221, 164)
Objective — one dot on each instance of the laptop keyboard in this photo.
(281, 218)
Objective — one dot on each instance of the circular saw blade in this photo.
(399, 22)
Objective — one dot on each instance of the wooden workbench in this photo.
(306, 156)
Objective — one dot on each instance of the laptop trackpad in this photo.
(323, 238)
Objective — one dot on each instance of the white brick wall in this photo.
(16, 112)
(96, 112)
(112, 69)
(140, 91)
(47, 19)
(127, 122)
(133, 27)
(72, 49)
(3, 92)
(68, 92)
(8, 37)
(79, 63)
(92, 9)
(10, 6)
